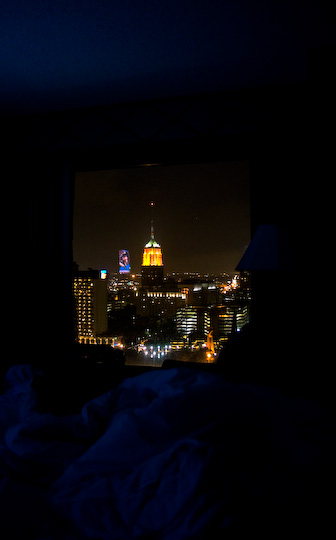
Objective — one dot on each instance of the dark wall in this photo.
(38, 232)
(281, 130)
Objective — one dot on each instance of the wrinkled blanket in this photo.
(171, 454)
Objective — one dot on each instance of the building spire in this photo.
(152, 219)
(152, 255)
(152, 263)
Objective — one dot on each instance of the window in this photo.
(201, 220)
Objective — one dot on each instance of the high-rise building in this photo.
(161, 302)
(152, 262)
(228, 319)
(90, 297)
(193, 320)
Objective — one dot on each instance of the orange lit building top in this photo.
(152, 254)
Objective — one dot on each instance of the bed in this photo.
(170, 454)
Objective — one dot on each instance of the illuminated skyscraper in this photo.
(90, 297)
(152, 263)
(193, 320)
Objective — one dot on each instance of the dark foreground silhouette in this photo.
(170, 453)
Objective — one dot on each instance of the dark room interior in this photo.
(89, 86)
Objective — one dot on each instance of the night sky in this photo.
(201, 217)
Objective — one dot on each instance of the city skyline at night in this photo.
(202, 216)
